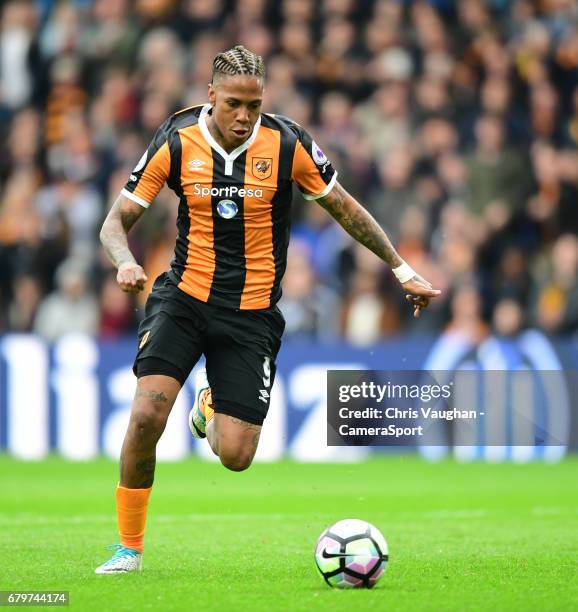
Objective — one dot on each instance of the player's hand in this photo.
(131, 277)
(420, 293)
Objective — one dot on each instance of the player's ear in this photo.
(212, 94)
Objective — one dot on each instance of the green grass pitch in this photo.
(461, 537)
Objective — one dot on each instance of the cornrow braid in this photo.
(238, 60)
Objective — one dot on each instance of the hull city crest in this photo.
(262, 167)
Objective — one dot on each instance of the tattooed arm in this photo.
(123, 214)
(359, 224)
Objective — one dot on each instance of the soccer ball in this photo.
(351, 554)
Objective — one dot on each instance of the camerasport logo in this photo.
(318, 155)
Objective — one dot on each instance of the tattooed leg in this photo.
(234, 441)
(145, 468)
(154, 398)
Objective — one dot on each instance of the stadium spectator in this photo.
(23, 143)
(117, 312)
(78, 206)
(466, 314)
(496, 175)
(22, 311)
(368, 313)
(512, 279)
(384, 119)
(552, 205)
(17, 27)
(508, 318)
(111, 37)
(395, 192)
(556, 300)
(72, 308)
(310, 308)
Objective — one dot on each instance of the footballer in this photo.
(232, 168)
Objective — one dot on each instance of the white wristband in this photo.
(404, 272)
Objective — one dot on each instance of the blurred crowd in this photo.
(454, 122)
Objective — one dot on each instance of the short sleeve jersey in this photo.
(233, 218)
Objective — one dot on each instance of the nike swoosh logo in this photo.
(327, 555)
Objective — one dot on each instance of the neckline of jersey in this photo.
(228, 157)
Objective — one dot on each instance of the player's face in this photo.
(236, 102)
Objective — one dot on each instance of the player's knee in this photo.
(149, 421)
(236, 461)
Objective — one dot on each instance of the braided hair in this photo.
(238, 60)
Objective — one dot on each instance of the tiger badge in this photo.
(262, 167)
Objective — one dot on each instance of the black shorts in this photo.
(240, 347)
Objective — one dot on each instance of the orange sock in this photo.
(207, 405)
(131, 512)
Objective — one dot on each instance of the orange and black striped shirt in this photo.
(234, 208)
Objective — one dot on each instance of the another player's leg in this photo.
(154, 398)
